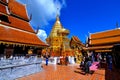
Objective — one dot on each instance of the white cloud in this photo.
(42, 35)
(43, 10)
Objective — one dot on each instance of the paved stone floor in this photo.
(70, 72)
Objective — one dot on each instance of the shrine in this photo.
(58, 40)
(19, 44)
(105, 42)
(16, 34)
(77, 46)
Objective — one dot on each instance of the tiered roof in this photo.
(17, 9)
(107, 37)
(76, 41)
(104, 41)
(12, 35)
(20, 24)
(15, 28)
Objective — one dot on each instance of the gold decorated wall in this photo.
(77, 47)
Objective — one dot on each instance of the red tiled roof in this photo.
(108, 40)
(76, 39)
(106, 37)
(3, 9)
(105, 34)
(8, 34)
(18, 9)
(18, 23)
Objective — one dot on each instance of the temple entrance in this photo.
(20, 51)
(8, 52)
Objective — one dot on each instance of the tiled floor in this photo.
(70, 72)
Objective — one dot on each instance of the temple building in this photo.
(106, 42)
(77, 46)
(58, 40)
(16, 34)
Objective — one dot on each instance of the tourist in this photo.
(92, 57)
(82, 64)
(87, 65)
(109, 62)
(66, 60)
(46, 60)
(75, 59)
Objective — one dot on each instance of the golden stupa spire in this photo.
(58, 37)
(57, 16)
(57, 25)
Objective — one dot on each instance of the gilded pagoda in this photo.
(16, 34)
(58, 40)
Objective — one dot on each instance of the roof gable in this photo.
(17, 9)
(106, 37)
(105, 34)
(76, 40)
(20, 24)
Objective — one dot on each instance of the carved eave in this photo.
(19, 17)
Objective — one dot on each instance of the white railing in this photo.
(16, 67)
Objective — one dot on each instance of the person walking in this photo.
(66, 60)
(87, 65)
(110, 62)
(46, 60)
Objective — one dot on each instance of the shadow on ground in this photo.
(82, 72)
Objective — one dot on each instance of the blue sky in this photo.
(80, 17)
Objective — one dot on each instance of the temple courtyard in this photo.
(71, 72)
